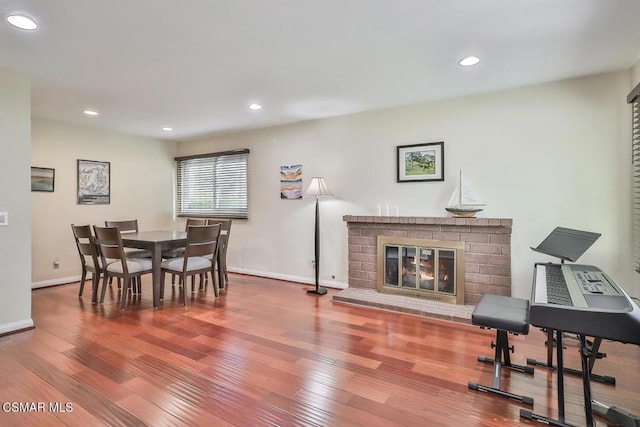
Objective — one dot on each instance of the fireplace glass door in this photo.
(420, 268)
(408, 267)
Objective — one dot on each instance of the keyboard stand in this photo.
(590, 406)
(560, 373)
(594, 355)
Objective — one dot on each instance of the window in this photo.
(634, 100)
(213, 184)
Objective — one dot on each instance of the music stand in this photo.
(567, 244)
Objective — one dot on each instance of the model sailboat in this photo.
(463, 202)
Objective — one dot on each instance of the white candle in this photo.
(387, 209)
(397, 211)
(379, 210)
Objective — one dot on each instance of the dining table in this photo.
(155, 241)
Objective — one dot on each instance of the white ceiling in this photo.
(195, 65)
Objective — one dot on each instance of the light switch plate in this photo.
(4, 218)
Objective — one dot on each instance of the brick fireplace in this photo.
(487, 249)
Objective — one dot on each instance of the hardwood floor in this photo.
(265, 353)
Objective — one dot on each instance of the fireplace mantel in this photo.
(487, 248)
(430, 220)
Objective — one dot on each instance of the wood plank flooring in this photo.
(267, 354)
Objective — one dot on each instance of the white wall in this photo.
(15, 238)
(635, 74)
(142, 184)
(550, 155)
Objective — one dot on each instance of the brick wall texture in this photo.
(487, 263)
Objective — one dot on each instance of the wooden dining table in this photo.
(156, 241)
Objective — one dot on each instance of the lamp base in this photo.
(317, 291)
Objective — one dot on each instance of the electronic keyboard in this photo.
(581, 299)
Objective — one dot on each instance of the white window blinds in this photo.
(213, 184)
(634, 100)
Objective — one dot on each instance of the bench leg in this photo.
(501, 358)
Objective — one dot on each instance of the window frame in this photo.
(227, 172)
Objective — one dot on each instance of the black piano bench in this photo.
(505, 315)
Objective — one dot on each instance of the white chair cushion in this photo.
(193, 263)
(133, 266)
(89, 262)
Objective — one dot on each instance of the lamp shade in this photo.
(318, 187)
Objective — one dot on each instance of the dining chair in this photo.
(225, 232)
(130, 270)
(199, 254)
(129, 226)
(89, 258)
(176, 252)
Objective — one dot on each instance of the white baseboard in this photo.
(7, 328)
(288, 277)
(258, 273)
(54, 282)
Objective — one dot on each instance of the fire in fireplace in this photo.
(431, 269)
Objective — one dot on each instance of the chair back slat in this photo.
(86, 244)
(225, 224)
(110, 243)
(194, 221)
(128, 226)
(202, 240)
(88, 248)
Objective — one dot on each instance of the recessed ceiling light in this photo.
(90, 113)
(167, 129)
(22, 21)
(255, 107)
(469, 61)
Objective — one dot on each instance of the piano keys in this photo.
(582, 299)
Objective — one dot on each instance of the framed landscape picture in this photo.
(421, 162)
(94, 180)
(43, 179)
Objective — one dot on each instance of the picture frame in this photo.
(43, 179)
(291, 182)
(420, 162)
(94, 182)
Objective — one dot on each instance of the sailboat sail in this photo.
(463, 199)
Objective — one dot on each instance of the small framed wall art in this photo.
(291, 182)
(43, 179)
(94, 182)
(421, 162)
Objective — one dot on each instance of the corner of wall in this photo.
(635, 74)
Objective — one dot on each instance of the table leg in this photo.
(221, 282)
(156, 260)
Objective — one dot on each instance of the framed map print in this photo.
(94, 181)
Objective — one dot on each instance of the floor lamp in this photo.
(318, 188)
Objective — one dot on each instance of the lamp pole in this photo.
(318, 290)
(317, 188)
